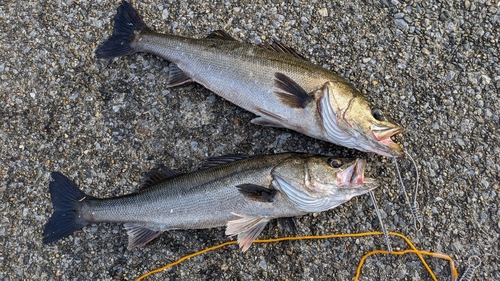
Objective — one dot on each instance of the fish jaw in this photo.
(353, 175)
(383, 135)
(352, 182)
(347, 120)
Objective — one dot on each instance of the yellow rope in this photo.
(454, 273)
(413, 250)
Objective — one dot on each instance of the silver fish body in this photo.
(241, 194)
(272, 81)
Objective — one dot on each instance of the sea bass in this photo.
(241, 193)
(271, 81)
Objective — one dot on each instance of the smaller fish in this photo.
(241, 193)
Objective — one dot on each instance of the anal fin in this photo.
(247, 228)
(139, 236)
(176, 76)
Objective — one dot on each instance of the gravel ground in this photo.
(433, 65)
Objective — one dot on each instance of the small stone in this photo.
(486, 79)
(457, 246)
(165, 14)
(402, 24)
(323, 12)
(451, 75)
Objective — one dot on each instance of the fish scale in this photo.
(198, 192)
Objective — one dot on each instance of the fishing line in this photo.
(413, 250)
(474, 262)
(414, 207)
(384, 230)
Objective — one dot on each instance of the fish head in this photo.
(350, 120)
(318, 183)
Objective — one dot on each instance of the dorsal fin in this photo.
(290, 93)
(158, 175)
(221, 35)
(281, 48)
(219, 160)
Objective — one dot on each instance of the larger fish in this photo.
(272, 81)
(242, 194)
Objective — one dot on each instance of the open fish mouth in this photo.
(354, 175)
(388, 137)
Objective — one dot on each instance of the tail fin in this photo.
(65, 219)
(127, 22)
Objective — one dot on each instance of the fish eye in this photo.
(334, 163)
(378, 114)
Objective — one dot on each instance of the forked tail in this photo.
(127, 23)
(65, 219)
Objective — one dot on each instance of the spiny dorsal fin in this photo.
(257, 193)
(139, 236)
(281, 48)
(221, 35)
(290, 93)
(176, 76)
(219, 160)
(247, 228)
(157, 176)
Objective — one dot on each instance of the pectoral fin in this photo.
(257, 193)
(139, 236)
(176, 76)
(247, 228)
(290, 93)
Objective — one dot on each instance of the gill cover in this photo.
(349, 120)
(313, 185)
